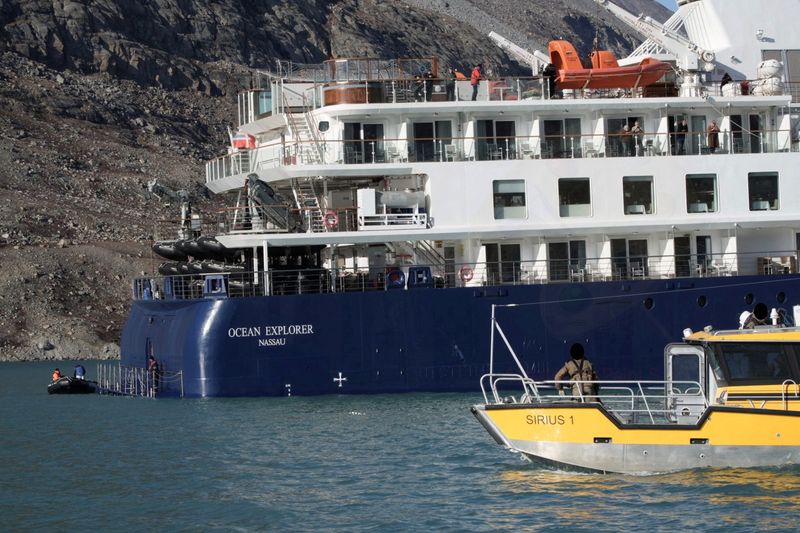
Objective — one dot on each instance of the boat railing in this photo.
(789, 388)
(630, 402)
(124, 380)
(279, 280)
(507, 146)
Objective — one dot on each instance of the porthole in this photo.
(324, 126)
(748, 299)
(648, 303)
(781, 297)
(702, 301)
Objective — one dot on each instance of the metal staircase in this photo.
(307, 200)
(424, 253)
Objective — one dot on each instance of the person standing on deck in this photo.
(450, 84)
(713, 137)
(680, 136)
(578, 369)
(475, 79)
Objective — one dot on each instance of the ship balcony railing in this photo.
(505, 146)
(453, 275)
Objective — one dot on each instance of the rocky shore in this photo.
(99, 98)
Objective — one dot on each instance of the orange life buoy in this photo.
(465, 273)
(330, 219)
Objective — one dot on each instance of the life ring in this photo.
(396, 278)
(330, 219)
(465, 273)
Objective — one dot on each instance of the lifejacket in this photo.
(581, 370)
(57, 375)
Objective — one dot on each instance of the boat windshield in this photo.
(757, 363)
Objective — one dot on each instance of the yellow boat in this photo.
(736, 404)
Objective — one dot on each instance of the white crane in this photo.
(536, 59)
(688, 55)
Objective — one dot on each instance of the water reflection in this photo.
(706, 499)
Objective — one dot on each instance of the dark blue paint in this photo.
(432, 339)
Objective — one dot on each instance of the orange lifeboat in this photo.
(605, 72)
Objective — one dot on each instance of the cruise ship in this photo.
(377, 209)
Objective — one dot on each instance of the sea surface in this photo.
(411, 462)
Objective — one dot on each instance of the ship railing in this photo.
(630, 402)
(279, 280)
(503, 146)
(124, 380)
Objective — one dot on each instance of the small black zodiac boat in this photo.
(68, 385)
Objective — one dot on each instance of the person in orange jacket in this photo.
(57, 374)
(475, 79)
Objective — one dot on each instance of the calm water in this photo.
(396, 462)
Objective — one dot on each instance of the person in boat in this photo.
(450, 84)
(713, 136)
(57, 375)
(680, 136)
(79, 372)
(638, 136)
(475, 79)
(578, 369)
(429, 86)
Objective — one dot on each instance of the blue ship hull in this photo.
(430, 339)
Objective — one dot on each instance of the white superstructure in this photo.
(525, 186)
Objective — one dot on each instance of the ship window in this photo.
(701, 193)
(495, 139)
(324, 126)
(754, 363)
(629, 258)
(509, 198)
(363, 143)
(637, 195)
(574, 197)
(566, 260)
(502, 263)
(561, 138)
(763, 188)
(430, 140)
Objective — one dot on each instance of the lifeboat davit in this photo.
(605, 72)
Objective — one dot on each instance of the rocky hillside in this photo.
(98, 97)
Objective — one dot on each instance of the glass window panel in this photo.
(637, 195)
(763, 189)
(509, 198)
(701, 193)
(574, 197)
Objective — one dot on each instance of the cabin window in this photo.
(324, 126)
(561, 138)
(566, 260)
(629, 259)
(574, 197)
(495, 139)
(502, 263)
(754, 363)
(701, 193)
(763, 188)
(637, 195)
(509, 198)
(363, 143)
(431, 140)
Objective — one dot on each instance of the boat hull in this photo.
(68, 385)
(428, 339)
(586, 437)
